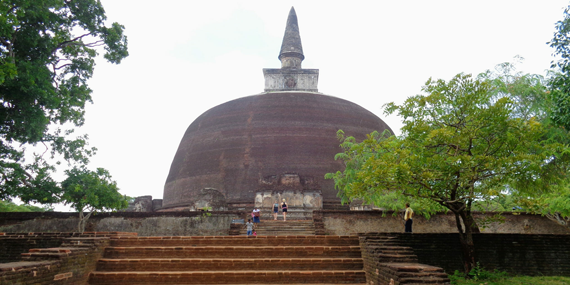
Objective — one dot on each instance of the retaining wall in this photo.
(70, 264)
(144, 224)
(336, 222)
(520, 254)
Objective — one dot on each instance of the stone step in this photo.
(400, 258)
(227, 277)
(413, 281)
(291, 215)
(424, 275)
(291, 229)
(280, 233)
(296, 259)
(400, 250)
(300, 240)
(414, 273)
(232, 251)
(289, 221)
(197, 264)
(282, 227)
(276, 227)
(335, 205)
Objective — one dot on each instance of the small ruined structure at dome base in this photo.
(260, 149)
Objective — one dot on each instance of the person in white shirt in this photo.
(249, 226)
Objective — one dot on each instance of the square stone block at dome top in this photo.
(291, 79)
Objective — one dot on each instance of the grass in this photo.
(480, 276)
(519, 280)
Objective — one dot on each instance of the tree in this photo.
(459, 145)
(47, 51)
(560, 83)
(9, 206)
(529, 92)
(534, 99)
(91, 191)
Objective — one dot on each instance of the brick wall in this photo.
(521, 254)
(12, 246)
(335, 222)
(145, 224)
(64, 265)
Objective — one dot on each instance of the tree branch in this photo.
(69, 42)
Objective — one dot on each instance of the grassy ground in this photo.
(520, 280)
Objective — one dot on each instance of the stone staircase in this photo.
(278, 228)
(335, 205)
(387, 260)
(231, 260)
(293, 213)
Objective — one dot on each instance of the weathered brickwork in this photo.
(334, 222)
(385, 260)
(520, 254)
(69, 264)
(231, 260)
(144, 224)
(13, 245)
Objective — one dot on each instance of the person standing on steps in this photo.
(275, 210)
(256, 215)
(249, 226)
(408, 218)
(284, 209)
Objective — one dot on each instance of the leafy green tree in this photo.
(529, 92)
(91, 191)
(535, 100)
(560, 83)
(459, 145)
(47, 51)
(9, 206)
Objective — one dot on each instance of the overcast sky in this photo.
(189, 56)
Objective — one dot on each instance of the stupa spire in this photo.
(291, 54)
(291, 77)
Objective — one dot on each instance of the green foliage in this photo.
(534, 100)
(478, 274)
(555, 206)
(529, 92)
(458, 146)
(47, 51)
(9, 206)
(560, 82)
(461, 144)
(457, 279)
(91, 191)
(206, 211)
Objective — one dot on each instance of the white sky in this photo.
(189, 56)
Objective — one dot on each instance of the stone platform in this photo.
(278, 228)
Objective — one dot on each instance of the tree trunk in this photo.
(466, 239)
(468, 219)
(83, 221)
(79, 225)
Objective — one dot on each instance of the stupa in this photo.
(259, 149)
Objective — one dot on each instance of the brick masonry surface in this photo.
(69, 263)
(12, 246)
(231, 260)
(144, 224)
(520, 254)
(335, 222)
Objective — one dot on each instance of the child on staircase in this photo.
(275, 210)
(249, 226)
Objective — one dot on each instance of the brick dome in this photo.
(255, 143)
